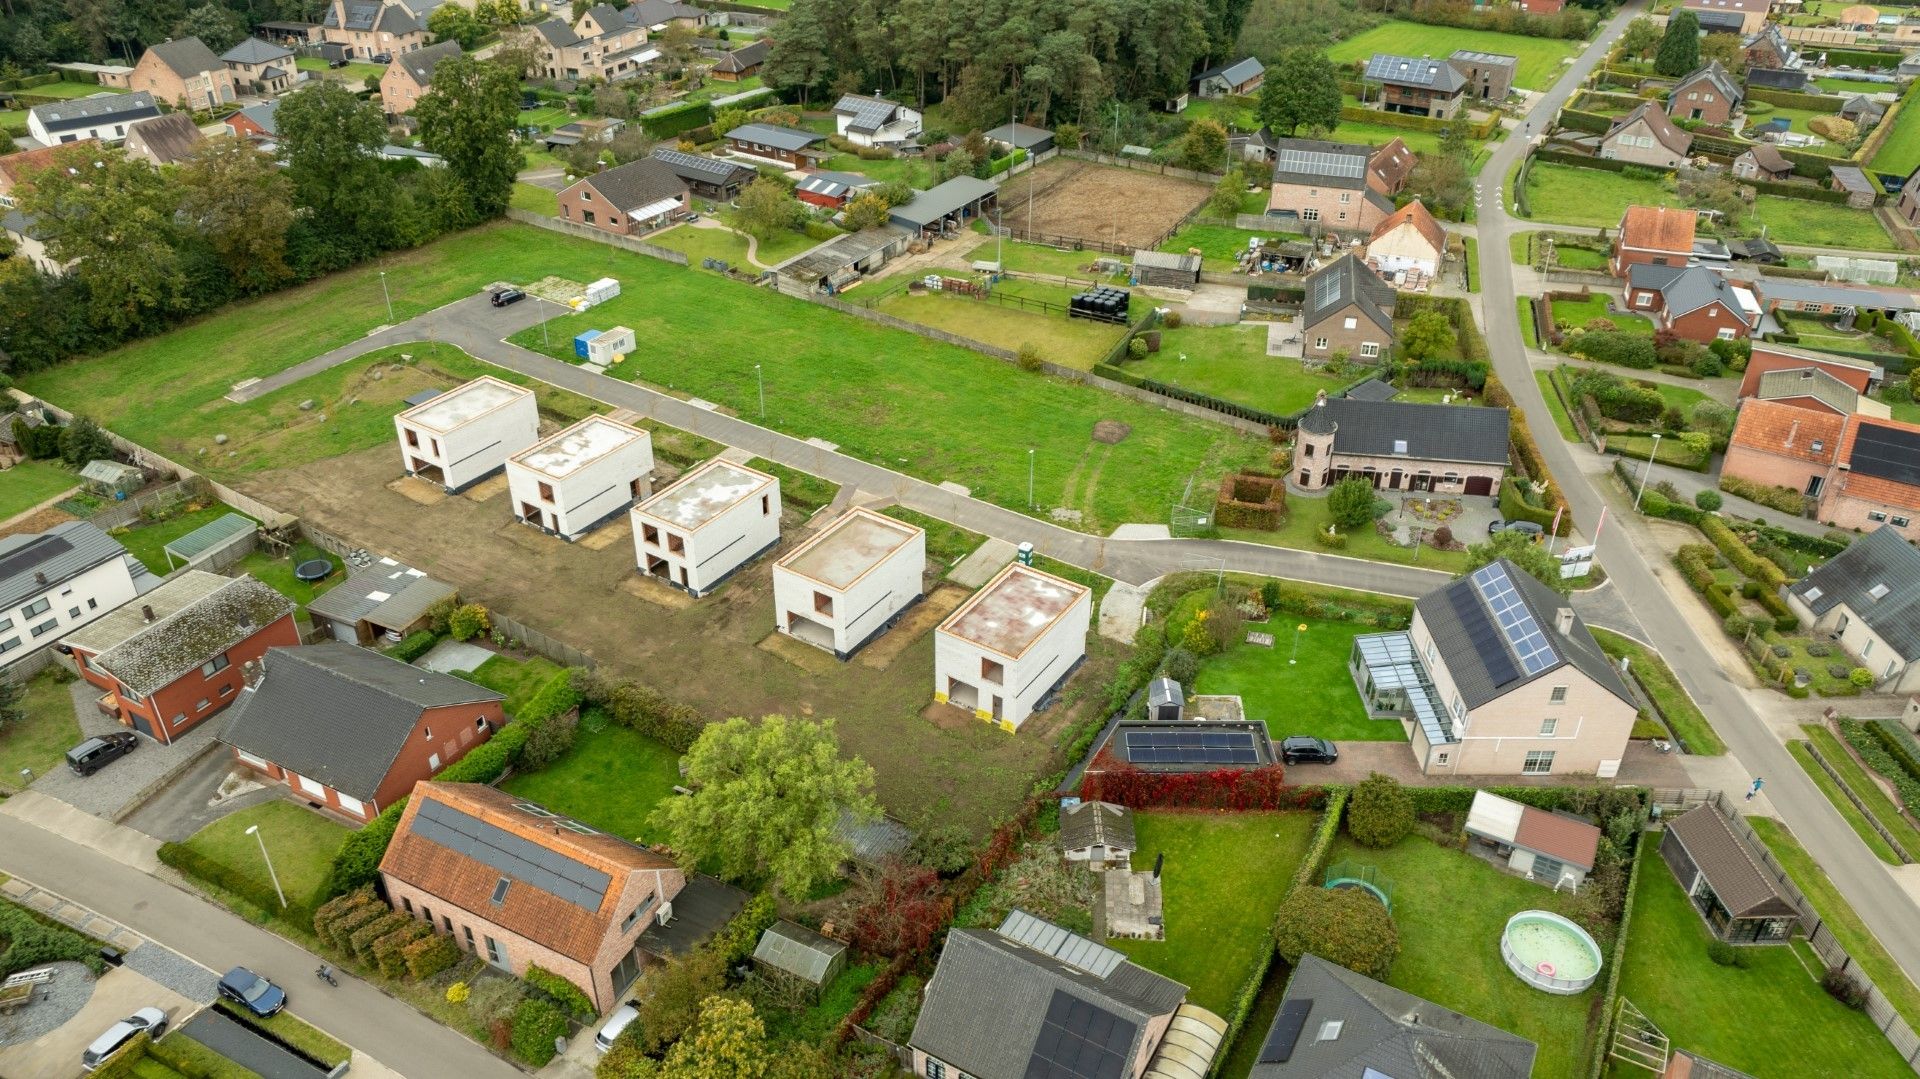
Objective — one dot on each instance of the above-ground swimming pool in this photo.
(1549, 952)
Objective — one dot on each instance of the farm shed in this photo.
(466, 434)
(946, 207)
(1165, 268)
(112, 479)
(842, 261)
(847, 584)
(1011, 137)
(707, 524)
(798, 951)
(1002, 654)
(582, 477)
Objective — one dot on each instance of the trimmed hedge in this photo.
(1695, 562)
(414, 645)
(1784, 499)
(644, 709)
(536, 1023)
(256, 893)
(672, 122)
(357, 862)
(562, 992)
(388, 951)
(1593, 123)
(1868, 744)
(1794, 99)
(1740, 555)
(1515, 507)
(32, 942)
(1360, 114)
(360, 942)
(1526, 452)
(430, 955)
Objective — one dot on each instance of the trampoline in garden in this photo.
(313, 570)
(1365, 878)
(211, 536)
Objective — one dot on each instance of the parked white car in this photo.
(151, 1020)
(617, 1022)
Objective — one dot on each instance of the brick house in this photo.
(1692, 302)
(1498, 676)
(626, 200)
(1783, 445)
(1812, 388)
(1860, 375)
(164, 140)
(1348, 309)
(1908, 205)
(1868, 598)
(1876, 478)
(260, 67)
(1763, 162)
(519, 886)
(832, 190)
(600, 44)
(1335, 185)
(1709, 95)
(408, 77)
(707, 177)
(353, 730)
(255, 122)
(184, 73)
(1646, 137)
(1419, 86)
(1397, 446)
(1767, 49)
(367, 28)
(1751, 13)
(175, 657)
(1489, 75)
(1542, 7)
(1654, 235)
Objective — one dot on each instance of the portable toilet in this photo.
(1165, 700)
(602, 290)
(583, 344)
(605, 346)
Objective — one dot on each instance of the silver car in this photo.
(151, 1020)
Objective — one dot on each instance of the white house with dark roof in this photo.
(572, 482)
(697, 531)
(1498, 676)
(874, 121)
(1031, 999)
(105, 117)
(848, 583)
(1006, 648)
(54, 582)
(1401, 446)
(1867, 598)
(466, 434)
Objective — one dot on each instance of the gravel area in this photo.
(115, 790)
(55, 1003)
(175, 971)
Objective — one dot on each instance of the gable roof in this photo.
(264, 115)
(1423, 73)
(59, 554)
(1347, 280)
(799, 951)
(1658, 228)
(557, 33)
(419, 63)
(1464, 620)
(197, 616)
(1881, 561)
(655, 12)
(1381, 1031)
(1715, 74)
(1731, 869)
(780, 138)
(1418, 432)
(58, 116)
(1372, 390)
(339, 713)
(1416, 215)
(742, 59)
(1686, 289)
(566, 882)
(168, 138)
(385, 593)
(637, 184)
(255, 51)
(868, 114)
(1769, 157)
(16, 168)
(1777, 78)
(1021, 136)
(1484, 59)
(1234, 72)
(1882, 459)
(187, 56)
(1320, 163)
(1788, 430)
(379, 15)
(700, 167)
(1097, 824)
(1516, 824)
(1770, 34)
(1392, 163)
(1812, 382)
(1001, 1001)
(1655, 117)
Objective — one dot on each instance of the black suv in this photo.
(1301, 749)
(96, 753)
(505, 296)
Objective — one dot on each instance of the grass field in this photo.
(41, 739)
(1539, 57)
(355, 73)
(1225, 877)
(302, 843)
(518, 679)
(1901, 152)
(1070, 342)
(277, 573)
(535, 199)
(1231, 363)
(1863, 784)
(1596, 198)
(1219, 245)
(1769, 1018)
(1561, 421)
(909, 170)
(1578, 313)
(30, 483)
(1688, 721)
(611, 779)
(72, 89)
(1314, 696)
(1844, 806)
(1040, 259)
(148, 542)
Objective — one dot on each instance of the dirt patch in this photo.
(949, 717)
(618, 530)
(925, 615)
(486, 489)
(39, 521)
(418, 490)
(1111, 432)
(799, 653)
(654, 590)
(1085, 201)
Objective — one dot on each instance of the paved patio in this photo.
(1642, 766)
(449, 656)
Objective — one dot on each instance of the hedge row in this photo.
(1593, 123)
(1794, 99)
(1515, 507)
(1875, 753)
(1695, 561)
(31, 942)
(1741, 556)
(643, 709)
(672, 122)
(244, 886)
(1525, 450)
(1899, 748)
(1204, 400)
(414, 645)
(566, 995)
(1618, 962)
(1784, 499)
(1360, 114)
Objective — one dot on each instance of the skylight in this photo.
(500, 891)
(1330, 1029)
(1878, 591)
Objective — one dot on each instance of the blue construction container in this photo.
(580, 343)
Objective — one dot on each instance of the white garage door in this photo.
(311, 787)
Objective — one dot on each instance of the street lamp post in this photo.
(386, 294)
(1647, 474)
(1029, 477)
(762, 384)
(254, 831)
(1297, 631)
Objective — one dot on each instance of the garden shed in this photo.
(216, 535)
(112, 479)
(1726, 881)
(1166, 268)
(796, 950)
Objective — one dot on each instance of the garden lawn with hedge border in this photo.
(1596, 198)
(303, 844)
(1855, 819)
(611, 779)
(1540, 58)
(1315, 696)
(39, 741)
(1689, 723)
(148, 542)
(1879, 804)
(1231, 363)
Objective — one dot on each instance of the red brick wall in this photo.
(1705, 324)
(1713, 112)
(182, 697)
(1762, 362)
(576, 204)
(1759, 466)
(454, 733)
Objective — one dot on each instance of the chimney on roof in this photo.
(1563, 621)
(251, 672)
(1320, 399)
(39, 577)
(146, 612)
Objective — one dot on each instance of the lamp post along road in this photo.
(254, 831)
(388, 296)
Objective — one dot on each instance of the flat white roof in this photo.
(1495, 817)
(849, 548)
(577, 447)
(705, 493)
(1014, 609)
(464, 404)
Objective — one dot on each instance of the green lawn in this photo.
(946, 544)
(912, 171)
(611, 779)
(1539, 57)
(1040, 259)
(1314, 696)
(40, 740)
(1071, 342)
(535, 199)
(1871, 959)
(1450, 909)
(1857, 779)
(1596, 198)
(1820, 224)
(1833, 84)
(277, 573)
(1473, 263)
(519, 679)
(1835, 794)
(1688, 721)
(1561, 420)
(1231, 363)
(70, 90)
(302, 844)
(30, 483)
(1771, 1018)
(1901, 152)
(147, 542)
(355, 73)
(1225, 876)
(698, 243)
(1219, 244)
(1307, 516)
(777, 248)
(1577, 314)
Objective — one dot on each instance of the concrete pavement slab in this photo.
(123, 845)
(986, 560)
(453, 655)
(1121, 610)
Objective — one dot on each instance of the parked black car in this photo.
(1527, 528)
(96, 753)
(1302, 749)
(381, 58)
(252, 992)
(505, 296)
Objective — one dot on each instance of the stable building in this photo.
(466, 434)
(1867, 598)
(946, 208)
(1399, 446)
(841, 588)
(696, 532)
(1166, 269)
(586, 475)
(1002, 654)
(1238, 78)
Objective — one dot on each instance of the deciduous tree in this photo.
(674, 1004)
(867, 211)
(1428, 334)
(1381, 812)
(1347, 926)
(728, 1042)
(1205, 147)
(243, 202)
(1522, 551)
(1350, 502)
(329, 139)
(82, 441)
(451, 22)
(1680, 45)
(468, 117)
(902, 910)
(216, 26)
(1301, 90)
(766, 207)
(766, 800)
(1639, 39)
(115, 216)
(1727, 49)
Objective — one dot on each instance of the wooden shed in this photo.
(1166, 268)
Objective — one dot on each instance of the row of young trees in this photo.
(152, 246)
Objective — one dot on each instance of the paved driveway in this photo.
(117, 994)
(117, 790)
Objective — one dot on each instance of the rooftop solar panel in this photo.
(1319, 163)
(1285, 1031)
(1888, 453)
(32, 554)
(1079, 1040)
(1517, 623)
(516, 857)
(1485, 638)
(1385, 67)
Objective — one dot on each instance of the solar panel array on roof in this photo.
(33, 554)
(1321, 164)
(1326, 290)
(548, 870)
(868, 114)
(1403, 69)
(1191, 747)
(1079, 1040)
(1285, 1032)
(1485, 638)
(1888, 453)
(1070, 948)
(1516, 621)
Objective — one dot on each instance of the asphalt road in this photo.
(357, 1013)
(1882, 903)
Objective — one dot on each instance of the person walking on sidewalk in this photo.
(1755, 789)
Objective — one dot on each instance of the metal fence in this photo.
(1819, 758)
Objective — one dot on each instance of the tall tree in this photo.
(219, 28)
(468, 117)
(329, 139)
(451, 22)
(106, 27)
(1680, 46)
(1427, 334)
(766, 799)
(1204, 148)
(766, 207)
(243, 202)
(12, 693)
(1301, 88)
(1639, 39)
(728, 1042)
(1520, 549)
(1727, 49)
(115, 216)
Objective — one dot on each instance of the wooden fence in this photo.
(119, 514)
(551, 647)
